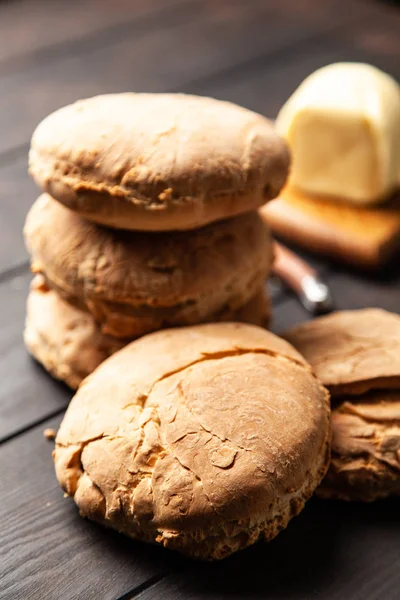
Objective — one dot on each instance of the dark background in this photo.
(252, 52)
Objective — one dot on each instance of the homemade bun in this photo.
(203, 439)
(257, 311)
(69, 344)
(135, 282)
(158, 161)
(365, 461)
(66, 340)
(352, 351)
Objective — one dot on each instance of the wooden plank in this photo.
(172, 53)
(330, 551)
(31, 26)
(357, 290)
(287, 312)
(17, 192)
(27, 393)
(266, 84)
(47, 550)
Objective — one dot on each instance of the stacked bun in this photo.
(356, 355)
(148, 220)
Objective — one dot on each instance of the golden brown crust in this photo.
(365, 461)
(201, 438)
(69, 344)
(257, 311)
(134, 282)
(65, 340)
(352, 351)
(158, 161)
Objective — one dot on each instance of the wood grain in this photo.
(287, 312)
(47, 550)
(353, 289)
(29, 27)
(268, 82)
(331, 551)
(363, 236)
(17, 193)
(169, 54)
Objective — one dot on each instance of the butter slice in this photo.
(343, 127)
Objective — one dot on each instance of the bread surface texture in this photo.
(365, 463)
(352, 351)
(158, 161)
(203, 439)
(66, 340)
(356, 355)
(137, 282)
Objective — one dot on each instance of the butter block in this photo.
(343, 128)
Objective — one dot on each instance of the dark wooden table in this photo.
(253, 52)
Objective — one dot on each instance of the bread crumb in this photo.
(49, 434)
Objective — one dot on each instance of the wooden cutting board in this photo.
(365, 237)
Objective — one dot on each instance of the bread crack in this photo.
(207, 430)
(142, 400)
(225, 354)
(84, 443)
(351, 409)
(196, 477)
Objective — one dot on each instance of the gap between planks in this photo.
(36, 423)
(143, 587)
(252, 64)
(15, 271)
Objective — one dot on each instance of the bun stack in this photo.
(148, 219)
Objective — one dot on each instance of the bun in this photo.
(356, 355)
(158, 161)
(134, 283)
(352, 351)
(203, 439)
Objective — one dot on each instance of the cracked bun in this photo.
(203, 439)
(356, 355)
(69, 344)
(158, 161)
(352, 351)
(365, 461)
(136, 282)
(66, 340)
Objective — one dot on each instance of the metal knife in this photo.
(314, 294)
